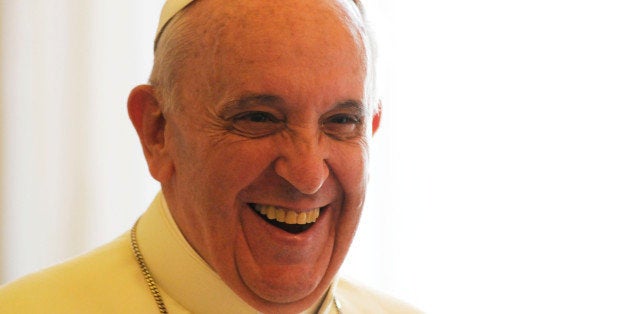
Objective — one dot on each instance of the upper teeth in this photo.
(288, 216)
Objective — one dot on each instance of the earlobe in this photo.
(377, 117)
(148, 120)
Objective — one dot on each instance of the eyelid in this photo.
(355, 117)
(273, 118)
(350, 129)
(254, 123)
(249, 102)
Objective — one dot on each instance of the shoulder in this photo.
(86, 283)
(356, 298)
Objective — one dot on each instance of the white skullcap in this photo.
(170, 9)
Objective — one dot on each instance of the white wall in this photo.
(499, 176)
(505, 157)
(72, 175)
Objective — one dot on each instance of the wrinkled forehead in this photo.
(208, 40)
(350, 10)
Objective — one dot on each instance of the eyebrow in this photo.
(248, 101)
(352, 104)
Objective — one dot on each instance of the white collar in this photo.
(183, 275)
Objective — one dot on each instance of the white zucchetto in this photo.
(170, 9)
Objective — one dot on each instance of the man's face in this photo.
(273, 126)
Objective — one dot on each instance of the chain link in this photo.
(147, 276)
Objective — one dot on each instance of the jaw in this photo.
(279, 269)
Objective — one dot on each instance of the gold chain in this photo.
(149, 278)
(151, 282)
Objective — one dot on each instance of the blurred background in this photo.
(499, 176)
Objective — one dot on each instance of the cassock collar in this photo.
(183, 275)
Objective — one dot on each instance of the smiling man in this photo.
(257, 123)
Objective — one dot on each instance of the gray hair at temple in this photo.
(175, 35)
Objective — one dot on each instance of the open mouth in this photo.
(287, 220)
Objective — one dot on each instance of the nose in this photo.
(303, 164)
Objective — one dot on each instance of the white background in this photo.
(499, 175)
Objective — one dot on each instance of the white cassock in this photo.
(109, 280)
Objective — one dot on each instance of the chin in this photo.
(294, 296)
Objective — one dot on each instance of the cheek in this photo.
(349, 164)
(355, 170)
(229, 167)
(212, 176)
(349, 168)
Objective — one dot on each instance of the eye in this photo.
(343, 126)
(343, 119)
(255, 124)
(257, 116)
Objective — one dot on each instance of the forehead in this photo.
(229, 33)
(254, 15)
(302, 49)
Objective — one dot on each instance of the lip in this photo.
(281, 222)
(265, 230)
(297, 207)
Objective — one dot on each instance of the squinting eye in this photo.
(342, 119)
(343, 126)
(257, 116)
(255, 124)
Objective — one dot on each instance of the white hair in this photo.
(171, 51)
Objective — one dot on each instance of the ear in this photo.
(376, 117)
(150, 124)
